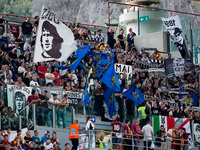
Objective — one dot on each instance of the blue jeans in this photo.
(26, 37)
(43, 112)
(135, 143)
(49, 118)
(91, 138)
(61, 114)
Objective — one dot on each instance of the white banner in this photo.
(55, 41)
(173, 26)
(179, 66)
(120, 69)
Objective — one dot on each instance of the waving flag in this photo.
(110, 78)
(82, 50)
(85, 95)
(190, 99)
(109, 96)
(85, 68)
(55, 41)
(98, 56)
(103, 63)
(135, 95)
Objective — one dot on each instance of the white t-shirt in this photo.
(48, 146)
(88, 125)
(11, 138)
(48, 75)
(34, 83)
(147, 130)
(55, 101)
(170, 131)
(21, 68)
(8, 81)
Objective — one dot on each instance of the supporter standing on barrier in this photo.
(116, 135)
(170, 135)
(89, 128)
(74, 134)
(136, 130)
(127, 136)
(147, 131)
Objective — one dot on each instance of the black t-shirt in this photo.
(36, 23)
(27, 28)
(110, 36)
(19, 41)
(27, 139)
(155, 111)
(12, 55)
(164, 112)
(121, 38)
(32, 43)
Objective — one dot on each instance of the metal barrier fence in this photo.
(90, 139)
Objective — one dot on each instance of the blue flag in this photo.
(190, 99)
(109, 96)
(81, 51)
(135, 95)
(110, 77)
(98, 56)
(61, 67)
(85, 68)
(103, 63)
(85, 96)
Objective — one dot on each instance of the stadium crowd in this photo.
(162, 96)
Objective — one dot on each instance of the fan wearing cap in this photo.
(46, 137)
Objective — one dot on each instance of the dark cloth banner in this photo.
(174, 67)
(173, 26)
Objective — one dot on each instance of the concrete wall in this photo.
(157, 40)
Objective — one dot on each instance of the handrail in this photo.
(25, 107)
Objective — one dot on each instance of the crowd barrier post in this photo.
(84, 111)
(89, 139)
(34, 114)
(54, 117)
(20, 122)
(0, 120)
(73, 114)
(192, 128)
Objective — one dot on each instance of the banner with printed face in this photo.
(173, 26)
(17, 98)
(74, 99)
(55, 41)
(120, 69)
(196, 134)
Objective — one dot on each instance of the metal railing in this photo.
(89, 139)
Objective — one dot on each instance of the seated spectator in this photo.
(48, 144)
(27, 45)
(10, 35)
(28, 137)
(5, 141)
(1, 134)
(19, 133)
(11, 136)
(9, 79)
(46, 137)
(19, 82)
(34, 82)
(55, 140)
(16, 143)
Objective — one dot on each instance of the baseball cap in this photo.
(46, 132)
